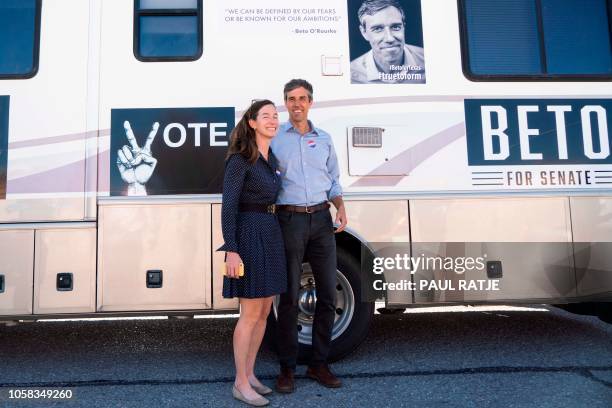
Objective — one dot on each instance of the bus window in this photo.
(167, 30)
(19, 38)
(536, 39)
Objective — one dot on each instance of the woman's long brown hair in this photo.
(242, 138)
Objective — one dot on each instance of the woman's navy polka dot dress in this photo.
(256, 236)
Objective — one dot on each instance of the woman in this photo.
(253, 237)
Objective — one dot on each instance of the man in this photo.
(310, 178)
(391, 60)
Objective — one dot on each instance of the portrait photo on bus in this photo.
(386, 42)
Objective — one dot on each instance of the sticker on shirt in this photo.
(312, 144)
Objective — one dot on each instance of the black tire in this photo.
(356, 330)
(604, 312)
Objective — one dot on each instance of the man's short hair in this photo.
(370, 7)
(297, 83)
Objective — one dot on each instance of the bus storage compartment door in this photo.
(136, 238)
(16, 265)
(592, 233)
(65, 270)
(457, 240)
(218, 258)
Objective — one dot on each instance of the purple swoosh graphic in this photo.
(58, 139)
(71, 177)
(65, 179)
(104, 171)
(410, 158)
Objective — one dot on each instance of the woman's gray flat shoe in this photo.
(256, 402)
(263, 390)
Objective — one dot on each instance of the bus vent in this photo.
(367, 137)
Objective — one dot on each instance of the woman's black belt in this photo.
(261, 208)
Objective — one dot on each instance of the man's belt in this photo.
(303, 209)
(261, 208)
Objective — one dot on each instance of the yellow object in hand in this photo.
(240, 269)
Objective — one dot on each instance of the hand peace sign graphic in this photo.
(135, 164)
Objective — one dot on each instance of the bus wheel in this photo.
(604, 312)
(353, 316)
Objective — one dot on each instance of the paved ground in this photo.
(505, 358)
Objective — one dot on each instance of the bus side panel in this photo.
(592, 230)
(380, 222)
(530, 236)
(218, 258)
(134, 240)
(47, 122)
(17, 256)
(72, 251)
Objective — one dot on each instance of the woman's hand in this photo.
(232, 262)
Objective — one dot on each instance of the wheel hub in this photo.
(307, 300)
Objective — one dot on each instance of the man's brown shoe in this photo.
(285, 383)
(324, 376)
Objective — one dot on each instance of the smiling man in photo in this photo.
(383, 23)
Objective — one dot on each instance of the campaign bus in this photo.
(473, 139)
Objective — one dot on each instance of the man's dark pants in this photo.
(308, 237)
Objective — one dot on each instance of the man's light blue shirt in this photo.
(308, 165)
